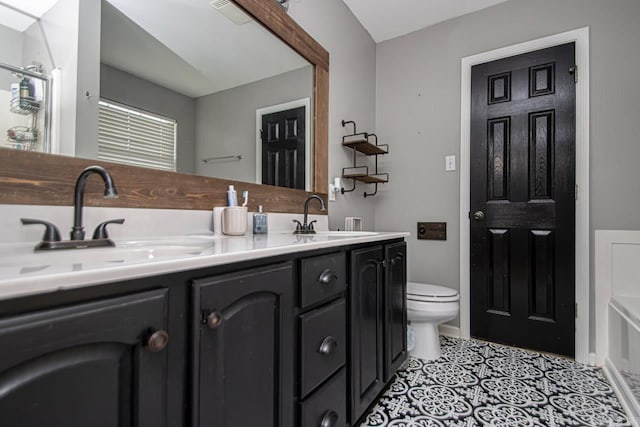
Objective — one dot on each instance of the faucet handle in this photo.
(310, 225)
(299, 225)
(101, 229)
(51, 232)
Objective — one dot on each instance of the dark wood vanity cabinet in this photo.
(395, 308)
(99, 364)
(243, 365)
(378, 324)
(323, 341)
(307, 339)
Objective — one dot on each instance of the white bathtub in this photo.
(618, 314)
(623, 362)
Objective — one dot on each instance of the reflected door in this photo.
(283, 148)
(523, 200)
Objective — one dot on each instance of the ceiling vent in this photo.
(231, 11)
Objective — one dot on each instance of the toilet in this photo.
(427, 307)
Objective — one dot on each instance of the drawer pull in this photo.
(327, 276)
(328, 345)
(214, 320)
(329, 419)
(157, 341)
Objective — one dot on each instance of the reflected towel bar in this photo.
(234, 156)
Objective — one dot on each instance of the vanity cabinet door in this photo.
(367, 328)
(244, 343)
(100, 364)
(395, 298)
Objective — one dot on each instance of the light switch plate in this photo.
(449, 163)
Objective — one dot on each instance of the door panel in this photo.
(395, 290)
(499, 274)
(523, 182)
(367, 328)
(244, 357)
(283, 148)
(85, 365)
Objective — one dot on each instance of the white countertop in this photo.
(23, 272)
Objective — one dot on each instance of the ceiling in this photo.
(12, 18)
(385, 20)
(189, 47)
(184, 45)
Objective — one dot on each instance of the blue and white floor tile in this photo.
(476, 383)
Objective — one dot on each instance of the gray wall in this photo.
(226, 121)
(418, 112)
(10, 53)
(128, 89)
(88, 78)
(351, 91)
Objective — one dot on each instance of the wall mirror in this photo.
(216, 76)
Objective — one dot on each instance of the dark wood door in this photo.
(243, 373)
(283, 148)
(395, 299)
(367, 329)
(85, 365)
(523, 200)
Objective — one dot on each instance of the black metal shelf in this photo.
(360, 143)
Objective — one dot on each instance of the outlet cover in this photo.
(432, 231)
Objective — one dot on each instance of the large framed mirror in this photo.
(158, 59)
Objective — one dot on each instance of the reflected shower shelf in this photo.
(24, 106)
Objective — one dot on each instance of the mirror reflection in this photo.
(192, 86)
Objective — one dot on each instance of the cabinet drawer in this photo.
(328, 404)
(323, 344)
(322, 277)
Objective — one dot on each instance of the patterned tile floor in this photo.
(475, 383)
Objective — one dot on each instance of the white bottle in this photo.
(232, 196)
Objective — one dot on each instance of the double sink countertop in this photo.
(25, 272)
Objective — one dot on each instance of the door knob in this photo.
(478, 216)
(157, 341)
(213, 320)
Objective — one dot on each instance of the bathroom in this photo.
(408, 90)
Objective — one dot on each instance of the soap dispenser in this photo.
(260, 225)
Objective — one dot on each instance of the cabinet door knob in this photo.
(157, 341)
(214, 320)
(327, 276)
(329, 419)
(328, 345)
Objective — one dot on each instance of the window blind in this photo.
(134, 137)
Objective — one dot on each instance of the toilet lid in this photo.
(426, 292)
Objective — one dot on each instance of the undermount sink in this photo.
(347, 233)
(133, 251)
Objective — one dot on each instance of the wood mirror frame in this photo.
(44, 179)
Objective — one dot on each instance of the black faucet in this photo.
(305, 228)
(77, 231)
(52, 239)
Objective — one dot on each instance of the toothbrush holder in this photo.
(234, 220)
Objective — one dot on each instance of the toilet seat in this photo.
(431, 293)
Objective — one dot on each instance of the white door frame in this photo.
(304, 102)
(581, 39)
